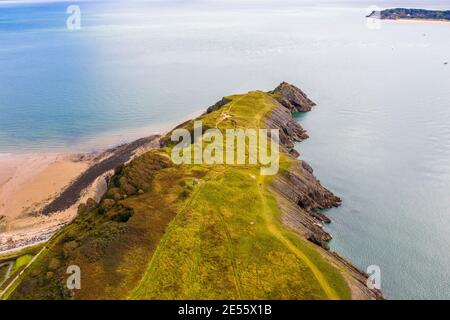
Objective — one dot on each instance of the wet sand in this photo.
(27, 183)
(40, 193)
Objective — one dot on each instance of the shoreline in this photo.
(100, 142)
(61, 202)
(43, 205)
(438, 21)
(297, 193)
(40, 192)
(27, 182)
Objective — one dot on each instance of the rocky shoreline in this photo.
(106, 161)
(299, 195)
(411, 14)
(299, 184)
(62, 208)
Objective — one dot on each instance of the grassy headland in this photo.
(412, 14)
(167, 231)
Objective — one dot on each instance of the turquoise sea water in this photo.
(380, 135)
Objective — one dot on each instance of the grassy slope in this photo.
(3, 270)
(20, 258)
(196, 232)
(231, 228)
(21, 262)
(32, 250)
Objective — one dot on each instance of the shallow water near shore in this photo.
(379, 136)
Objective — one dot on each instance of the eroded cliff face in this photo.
(289, 130)
(298, 186)
(291, 97)
(307, 196)
(146, 195)
(300, 196)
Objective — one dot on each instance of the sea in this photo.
(379, 135)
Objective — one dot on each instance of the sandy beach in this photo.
(27, 183)
(419, 21)
(40, 193)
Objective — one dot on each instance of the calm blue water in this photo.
(380, 135)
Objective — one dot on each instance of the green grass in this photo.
(221, 246)
(228, 243)
(21, 262)
(3, 270)
(20, 259)
(244, 111)
(166, 231)
(32, 250)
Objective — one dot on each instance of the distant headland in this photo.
(411, 14)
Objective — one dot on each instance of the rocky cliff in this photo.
(411, 14)
(205, 231)
(300, 196)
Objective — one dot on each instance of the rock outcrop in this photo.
(411, 14)
(146, 194)
(292, 98)
(289, 130)
(218, 105)
(300, 196)
(108, 160)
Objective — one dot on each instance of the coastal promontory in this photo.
(411, 14)
(164, 230)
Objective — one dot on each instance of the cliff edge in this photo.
(204, 231)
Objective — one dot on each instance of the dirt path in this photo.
(163, 242)
(225, 114)
(268, 217)
(236, 273)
